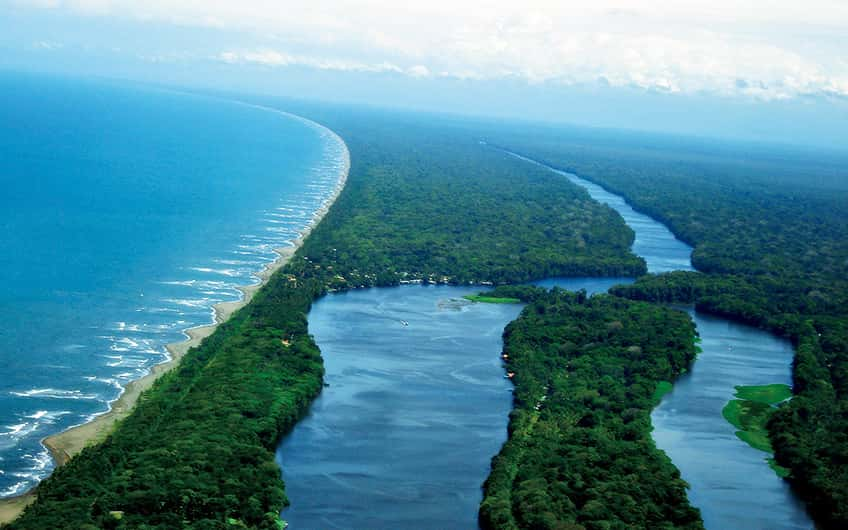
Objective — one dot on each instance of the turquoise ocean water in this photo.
(125, 214)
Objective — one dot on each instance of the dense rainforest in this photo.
(436, 205)
(422, 203)
(580, 452)
(426, 201)
(770, 231)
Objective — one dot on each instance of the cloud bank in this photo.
(766, 50)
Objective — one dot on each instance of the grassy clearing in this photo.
(750, 418)
(750, 414)
(663, 388)
(768, 394)
(491, 299)
(758, 439)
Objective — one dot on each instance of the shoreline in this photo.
(65, 445)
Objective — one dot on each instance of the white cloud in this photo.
(419, 70)
(775, 49)
(270, 57)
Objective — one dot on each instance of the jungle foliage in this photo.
(431, 203)
(770, 231)
(580, 452)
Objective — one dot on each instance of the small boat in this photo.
(404, 322)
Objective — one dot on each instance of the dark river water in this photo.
(403, 435)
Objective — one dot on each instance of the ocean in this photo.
(126, 213)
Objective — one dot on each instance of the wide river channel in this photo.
(417, 404)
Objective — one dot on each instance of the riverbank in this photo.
(67, 444)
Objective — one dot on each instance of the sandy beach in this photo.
(67, 444)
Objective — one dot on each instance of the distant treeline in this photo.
(430, 202)
(422, 202)
(770, 230)
(580, 453)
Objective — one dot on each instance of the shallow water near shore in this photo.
(127, 213)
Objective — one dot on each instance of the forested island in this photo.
(580, 454)
(427, 202)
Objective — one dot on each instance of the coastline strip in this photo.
(65, 445)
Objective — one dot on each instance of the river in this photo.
(730, 482)
(403, 435)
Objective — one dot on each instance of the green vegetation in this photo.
(663, 388)
(523, 293)
(491, 299)
(199, 448)
(423, 203)
(779, 470)
(750, 414)
(770, 231)
(429, 203)
(580, 452)
(768, 394)
(750, 418)
(426, 202)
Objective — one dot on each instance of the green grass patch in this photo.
(663, 388)
(768, 394)
(757, 439)
(781, 471)
(747, 415)
(750, 417)
(491, 299)
(732, 413)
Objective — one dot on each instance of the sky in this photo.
(768, 70)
